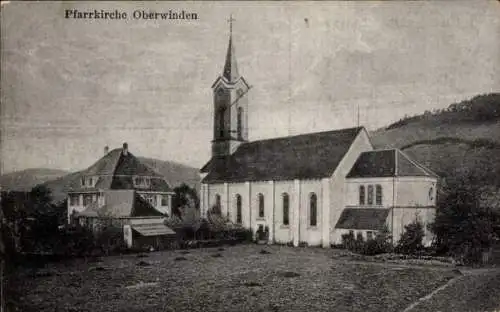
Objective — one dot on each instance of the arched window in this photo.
(313, 210)
(378, 194)
(370, 194)
(240, 123)
(261, 205)
(238, 209)
(361, 194)
(286, 209)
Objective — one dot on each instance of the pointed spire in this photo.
(230, 67)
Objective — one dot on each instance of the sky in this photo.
(69, 87)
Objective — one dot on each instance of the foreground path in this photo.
(476, 290)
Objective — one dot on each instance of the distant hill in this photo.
(463, 137)
(25, 180)
(59, 181)
(175, 173)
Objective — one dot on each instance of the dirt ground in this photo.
(237, 278)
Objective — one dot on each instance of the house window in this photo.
(286, 209)
(150, 198)
(369, 235)
(164, 200)
(73, 200)
(313, 210)
(261, 205)
(88, 181)
(240, 122)
(142, 181)
(378, 194)
(87, 199)
(238, 209)
(362, 195)
(370, 194)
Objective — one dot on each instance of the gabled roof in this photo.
(387, 163)
(116, 170)
(121, 204)
(154, 229)
(306, 156)
(362, 219)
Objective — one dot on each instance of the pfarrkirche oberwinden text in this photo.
(136, 14)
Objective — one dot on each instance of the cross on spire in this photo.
(230, 21)
(230, 67)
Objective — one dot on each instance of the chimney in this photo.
(125, 149)
(106, 150)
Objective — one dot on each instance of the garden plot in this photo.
(238, 278)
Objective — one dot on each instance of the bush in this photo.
(380, 244)
(348, 241)
(110, 240)
(411, 239)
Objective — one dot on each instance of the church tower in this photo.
(230, 92)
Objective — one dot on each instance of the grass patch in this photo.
(143, 263)
(43, 274)
(252, 284)
(216, 255)
(184, 252)
(264, 252)
(289, 274)
(242, 280)
(180, 259)
(96, 268)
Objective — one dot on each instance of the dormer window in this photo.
(142, 182)
(89, 181)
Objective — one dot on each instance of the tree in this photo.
(463, 227)
(184, 197)
(411, 239)
(42, 218)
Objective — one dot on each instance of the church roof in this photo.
(387, 163)
(306, 156)
(362, 218)
(230, 66)
(116, 170)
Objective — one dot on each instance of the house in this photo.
(308, 188)
(119, 189)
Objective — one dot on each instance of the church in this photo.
(310, 188)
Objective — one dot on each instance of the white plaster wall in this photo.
(414, 191)
(234, 189)
(211, 191)
(265, 189)
(337, 201)
(283, 233)
(307, 233)
(352, 191)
